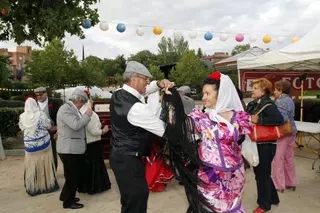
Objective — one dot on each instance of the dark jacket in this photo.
(53, 106)
(270, 116)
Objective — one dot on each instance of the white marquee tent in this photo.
(304, 54)
(94, 91)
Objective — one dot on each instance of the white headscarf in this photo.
(29, 119)
(227, 100)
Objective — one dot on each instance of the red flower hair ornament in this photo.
(86, 91)
(29, 96)
(215, 76)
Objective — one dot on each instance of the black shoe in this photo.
(74, 206)
(74, 200)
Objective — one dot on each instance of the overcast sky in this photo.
(258, 17)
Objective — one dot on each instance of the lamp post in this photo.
(302, 78)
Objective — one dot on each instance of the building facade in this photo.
(17, 60)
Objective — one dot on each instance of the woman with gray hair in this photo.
(94, 172)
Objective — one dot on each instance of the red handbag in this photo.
(265, 133)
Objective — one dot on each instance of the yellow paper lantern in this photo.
(157, 30)
(296, 38)
(266, 39)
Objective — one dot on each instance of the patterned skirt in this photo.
(39, 172)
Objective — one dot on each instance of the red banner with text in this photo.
(312, 81)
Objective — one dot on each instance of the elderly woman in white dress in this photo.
(95, 178)
(39, 172)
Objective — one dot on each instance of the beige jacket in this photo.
(93, 129)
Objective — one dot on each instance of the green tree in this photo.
(144, 57)
(90, 73)
(113, 66)
(119, 79)
(41, 21)
(4, 71)
(190, 70)
(199, 53)
(171, 50)
(54, 66)
(240, 48)
(156, 73)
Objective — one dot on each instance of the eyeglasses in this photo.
(39, 94)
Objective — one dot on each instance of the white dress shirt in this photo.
(43, 105)
(146, 115)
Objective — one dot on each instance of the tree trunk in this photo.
(2, 155)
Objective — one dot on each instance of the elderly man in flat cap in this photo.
(188, 103)
(133, 122)
(71, 145)
(50, 107)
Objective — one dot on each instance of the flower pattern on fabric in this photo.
(221, 155)
(39, 141)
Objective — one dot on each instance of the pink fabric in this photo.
(225, 178)
(283, 171)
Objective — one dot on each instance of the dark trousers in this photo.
(131, 179)
(72, 165)
(54, 150)
(267, 193)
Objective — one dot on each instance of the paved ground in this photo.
(14, 199)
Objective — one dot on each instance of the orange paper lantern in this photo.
(266, 39)
(296, 38)
(157, 30)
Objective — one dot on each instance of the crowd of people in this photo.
(158, 134)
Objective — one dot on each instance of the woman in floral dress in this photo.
(221, 127)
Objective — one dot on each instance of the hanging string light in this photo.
(178, 33)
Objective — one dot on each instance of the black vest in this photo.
(127, 138)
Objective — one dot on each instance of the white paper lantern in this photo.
(253, 38)
(193, 34)
(223, 37)
(280, 40)
(140, 31)
(104, 26)
(177, 34)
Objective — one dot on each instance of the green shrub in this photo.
(11, 103)
(9, 121)
(6, 95)
(18, 98)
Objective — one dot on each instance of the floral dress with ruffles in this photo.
(223, 170)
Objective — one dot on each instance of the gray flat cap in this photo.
(40, 89)
(185, 89)
(136, 67)
(80, 92)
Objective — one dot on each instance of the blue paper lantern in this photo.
(208, 36)
(121, 28)
(86, 24)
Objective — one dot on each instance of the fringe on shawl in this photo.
(40, 173)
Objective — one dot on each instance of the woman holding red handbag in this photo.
(269, 115)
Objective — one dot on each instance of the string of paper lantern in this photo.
(208, 35)
(23, 90)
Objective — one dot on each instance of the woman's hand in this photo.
(254, 118)
(105, 129)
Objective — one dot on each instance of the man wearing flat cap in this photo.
(133, 121)
(188, 103)
(50, 107)
(71, 145)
